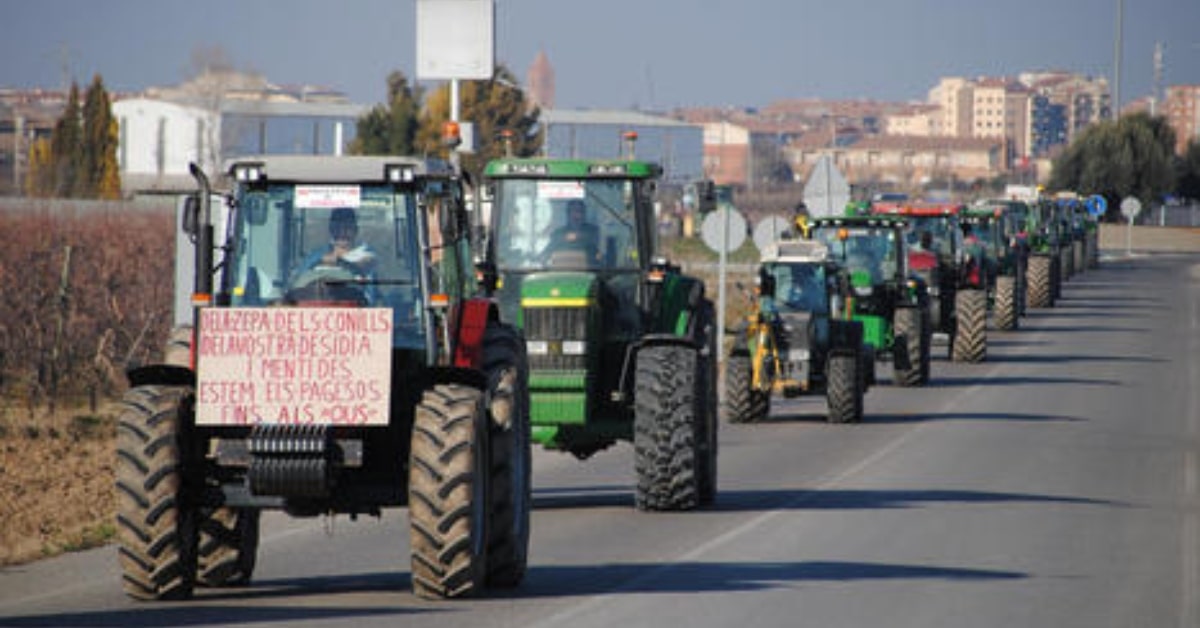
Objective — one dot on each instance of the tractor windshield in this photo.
(935, 234)
(862, 249)
(566, 224)
(799, 287)
(347, 244)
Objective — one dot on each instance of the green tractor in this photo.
(622, 345)
(796, 341)
(892, 305)
(997, 226)
(1046, 270)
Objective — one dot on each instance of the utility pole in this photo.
(1158, 72)
(1116, 104)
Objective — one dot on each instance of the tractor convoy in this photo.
(360, 333)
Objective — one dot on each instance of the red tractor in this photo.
(955, 269)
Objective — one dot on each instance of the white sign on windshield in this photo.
(560, 189)
(327, 196)
(305, 366)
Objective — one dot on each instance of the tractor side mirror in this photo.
(191, 215)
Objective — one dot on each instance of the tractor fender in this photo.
(470, 324)
(161, 375)
(473, 377)
(629, 364)
(845, 335)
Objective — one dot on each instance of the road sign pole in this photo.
(721, 269)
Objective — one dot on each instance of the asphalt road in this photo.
(1054, 485)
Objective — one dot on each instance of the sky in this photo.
(646, 54)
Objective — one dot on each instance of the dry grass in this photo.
(56, 483)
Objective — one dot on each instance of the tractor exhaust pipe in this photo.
(202, 293)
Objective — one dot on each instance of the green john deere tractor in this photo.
(622, 346)
(892, 305)
(1046, 254)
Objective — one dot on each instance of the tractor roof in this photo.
(798, 251)
(572, 168)
(917, 209)
(881, 220)
(337, 169)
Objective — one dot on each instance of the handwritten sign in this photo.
(326, 366)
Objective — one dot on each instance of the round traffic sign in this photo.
(1096, 205)
(724, 229)
(1130, 206)
(770, 230)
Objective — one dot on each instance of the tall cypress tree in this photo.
(65, 146)
(98, 157)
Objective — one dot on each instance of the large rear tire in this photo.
(707, 423)
(507, 369)
(1041, 289)
(844, 390)
(156, 522)
(447, 496)
(910, 339)
(743, 404)
(664, 436)
(970, 343)
(1005, 308)
(228, 547)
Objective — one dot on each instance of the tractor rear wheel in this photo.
(706, 420)
(664, 428)
(1006, 311)
(844, 390)
(228, 547)
(507, 370)
(970, 343)
(909, 335)
(739, 398)
(447, 492)
(1041, 290)
(156, 524)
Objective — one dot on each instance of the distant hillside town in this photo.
(966, 130)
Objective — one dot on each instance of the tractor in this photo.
(1047, 255)
(622, 345)
(892, 304)
(957, 278)
(799, 339)
(997, 225)
(333, 362)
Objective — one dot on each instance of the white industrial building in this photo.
(596, 134)
(158, 138)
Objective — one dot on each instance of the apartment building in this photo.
(1183, 114)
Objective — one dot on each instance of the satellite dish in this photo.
(770, 230)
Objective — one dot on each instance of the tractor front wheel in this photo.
(507, 370)
(844, 391)
(447, 492)
(1007, 313)
(664, 428)
(970, 343)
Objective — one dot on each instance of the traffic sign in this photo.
(770, 230)
(1096, 205)
(724, 229)
(1130, 206)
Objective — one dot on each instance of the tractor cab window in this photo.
(936, 234)
(552, 224)
(869, 250)
(800, 287)
(336, 244)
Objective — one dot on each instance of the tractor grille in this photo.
(557, 337)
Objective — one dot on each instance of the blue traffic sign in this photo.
(1097, 205)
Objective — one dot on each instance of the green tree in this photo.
(98, 151)
(491, 106)
(1129, 157)
(392, 128)
(1187, 172)
(65, 142)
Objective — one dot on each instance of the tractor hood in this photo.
(564, 289)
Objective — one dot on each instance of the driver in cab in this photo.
(344, 249)
(577, 235)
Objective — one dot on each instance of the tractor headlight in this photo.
(864, 291)
(574, 347)
(537, 347)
